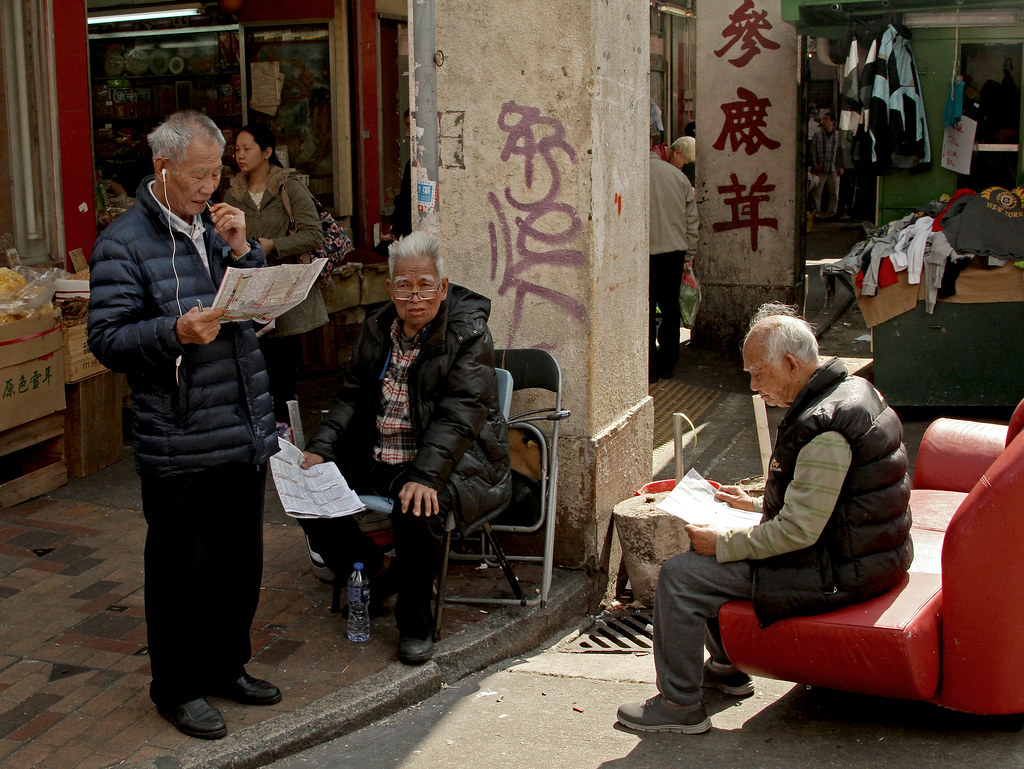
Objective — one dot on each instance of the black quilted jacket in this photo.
(215, 408)
(461, 435)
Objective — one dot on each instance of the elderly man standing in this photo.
(417, 420)
(203, 421)
(673, 235)
(835, 528)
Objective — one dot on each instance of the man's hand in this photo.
(419, 499)
(198, 326)
(702, 538)
(229, 222)
(736, 497)
(308, 460)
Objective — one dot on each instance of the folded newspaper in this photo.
(265, 293)
(693, 500)
(320, 491)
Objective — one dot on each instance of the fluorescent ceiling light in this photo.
(146, 14)
(970, 18)
(673, 10)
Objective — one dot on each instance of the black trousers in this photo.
(204, 565)
(283, 355)
(418, 545)
(665, 276)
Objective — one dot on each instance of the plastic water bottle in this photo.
(358, 605)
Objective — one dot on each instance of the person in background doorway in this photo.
(823, 166)
(287, 233)
(682, 153)
(673, 237)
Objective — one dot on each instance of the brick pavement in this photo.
(74, 674)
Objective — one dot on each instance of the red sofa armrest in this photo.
(983, 593)
(954, 454)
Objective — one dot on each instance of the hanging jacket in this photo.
(865, 547)
(215, 407)
(897, 119)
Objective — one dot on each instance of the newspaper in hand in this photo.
(317, 492)
(693, 500)
(264, 293)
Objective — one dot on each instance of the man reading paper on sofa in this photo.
(835, 524)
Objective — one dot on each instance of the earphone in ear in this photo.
(164, 172)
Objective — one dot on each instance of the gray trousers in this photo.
(691, 590)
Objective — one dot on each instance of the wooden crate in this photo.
(93, 423)
(79, 362)
(32, 459)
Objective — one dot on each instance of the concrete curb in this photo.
(505, 633)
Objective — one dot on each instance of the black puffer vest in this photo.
(865, 547)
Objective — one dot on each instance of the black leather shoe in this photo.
(415, 651)
(249, 691)
(196, 718)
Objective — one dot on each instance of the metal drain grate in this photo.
(622, 633)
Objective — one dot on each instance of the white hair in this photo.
(785, 333)
(412, 245)
(688, 146)
(172, 138)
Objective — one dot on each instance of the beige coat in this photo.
(270, 220)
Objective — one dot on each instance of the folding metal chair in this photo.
(385, 505)
(532, 369)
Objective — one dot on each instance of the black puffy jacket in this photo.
(461, 435)
(215, 408)
(865, 547)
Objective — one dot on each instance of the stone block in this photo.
(648, 537)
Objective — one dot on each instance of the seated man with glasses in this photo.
(417, 420)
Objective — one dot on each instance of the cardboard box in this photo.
(373, 284)
(341, 291)
(31, 368)
(79, 362)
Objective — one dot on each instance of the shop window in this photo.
(289, 77)
(27, 76)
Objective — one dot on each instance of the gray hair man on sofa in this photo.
(835, 527)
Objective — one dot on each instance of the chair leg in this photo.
(336, 595)
(503, 561)
(442, 585)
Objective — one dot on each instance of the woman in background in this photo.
(258, 190)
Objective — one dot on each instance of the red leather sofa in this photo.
(952, 632)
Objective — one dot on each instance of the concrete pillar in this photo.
(750, 181)
(542, 197)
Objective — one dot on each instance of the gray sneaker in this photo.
(735, 683)
(659, 715)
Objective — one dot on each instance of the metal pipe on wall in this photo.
(24, 133)
(425, 99)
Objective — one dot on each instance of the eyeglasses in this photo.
(426, 294)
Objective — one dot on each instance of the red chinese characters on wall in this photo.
(744, 120)
(745, 27)
(745, 124)
(746, 207)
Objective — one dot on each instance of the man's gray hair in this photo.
(785, 333)
(688, 146)
(412, 245)
(171, 139)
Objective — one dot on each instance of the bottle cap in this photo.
(357, 566)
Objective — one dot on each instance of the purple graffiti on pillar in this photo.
(546, 227)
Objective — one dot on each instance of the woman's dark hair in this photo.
(264, 138)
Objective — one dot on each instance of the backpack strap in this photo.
(287, 202)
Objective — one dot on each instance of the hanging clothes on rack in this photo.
(897, 123)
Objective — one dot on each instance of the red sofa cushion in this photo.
(888, 646)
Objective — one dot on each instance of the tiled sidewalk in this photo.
(74, 674)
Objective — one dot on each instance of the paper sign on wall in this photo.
(958, 145)
(426, 195)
